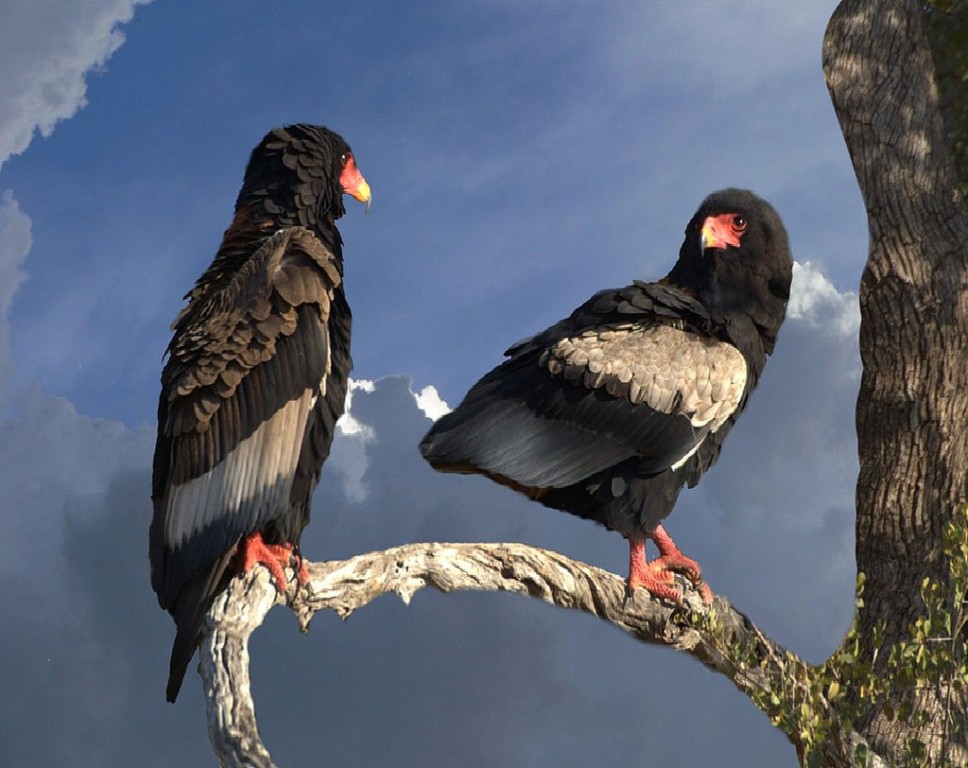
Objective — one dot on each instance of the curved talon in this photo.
(302, 572)
(680, 564)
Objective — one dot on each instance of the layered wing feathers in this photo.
(670, 370)
(632, 374)
(247, 365)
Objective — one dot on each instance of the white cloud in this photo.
(348, 425)
(51, 459)
(348, 454)
(47, 47)
(15, 242)
(431, 403)
(817, 301)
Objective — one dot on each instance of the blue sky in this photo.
(522, 155)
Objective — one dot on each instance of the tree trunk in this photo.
(912, 409)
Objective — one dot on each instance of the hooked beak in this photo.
(709, 237)
(354, 185)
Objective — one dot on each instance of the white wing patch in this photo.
(257, 474)
(669, 369)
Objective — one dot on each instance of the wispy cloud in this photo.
(47, 50)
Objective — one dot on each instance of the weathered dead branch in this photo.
(719, 636)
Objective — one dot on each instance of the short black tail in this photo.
(189, 610)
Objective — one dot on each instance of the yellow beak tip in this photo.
(363, 194)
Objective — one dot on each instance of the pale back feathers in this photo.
(671, 370)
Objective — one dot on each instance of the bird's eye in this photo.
(344, 158)
(739, 224)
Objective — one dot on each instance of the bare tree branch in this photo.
(719, 636)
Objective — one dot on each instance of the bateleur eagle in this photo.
(610, 412)
(255, 380)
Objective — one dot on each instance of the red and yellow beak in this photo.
(721, 231)
(353, 183)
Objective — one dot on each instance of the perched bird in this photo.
(610, 412)
(255, 380)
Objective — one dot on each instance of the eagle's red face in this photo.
(352, 181)
(723, 230)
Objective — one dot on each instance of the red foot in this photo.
(656, 577)
(671, 559)
(275, 557)
(651, 576)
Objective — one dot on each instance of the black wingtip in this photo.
(431, 447)
(426, 447)
(189, 611)
(171, 692)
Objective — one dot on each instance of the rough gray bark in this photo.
(912, 407)
(224, 662)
